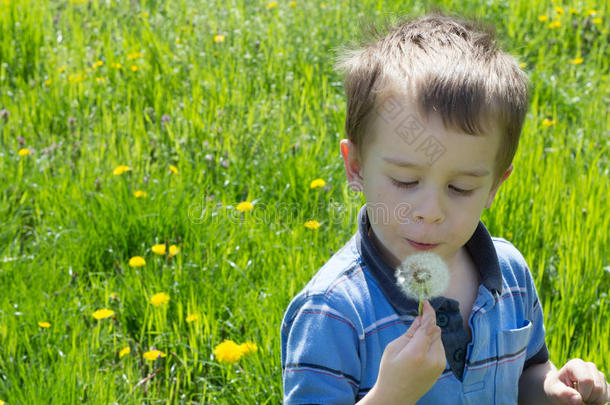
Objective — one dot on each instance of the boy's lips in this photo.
(421, 246)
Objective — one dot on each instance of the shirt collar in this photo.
(480, 246)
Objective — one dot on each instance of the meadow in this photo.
(170, 178)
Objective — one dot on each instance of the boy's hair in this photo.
(445, 64)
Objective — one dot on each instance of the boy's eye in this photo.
(459, 190)
(401, 184)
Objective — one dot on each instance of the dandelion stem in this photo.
(421, 307)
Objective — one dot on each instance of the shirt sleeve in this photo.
(320, 353)
(537, 351)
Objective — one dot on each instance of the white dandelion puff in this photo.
(422, 276)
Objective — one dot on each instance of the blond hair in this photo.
(445, 64)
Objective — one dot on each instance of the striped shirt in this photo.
(334, 331)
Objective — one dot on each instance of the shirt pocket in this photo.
(511, 347)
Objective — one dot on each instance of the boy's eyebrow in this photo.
(473, 172)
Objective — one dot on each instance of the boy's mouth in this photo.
(422, 246)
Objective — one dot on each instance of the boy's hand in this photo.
(411, 364)
(576, 383)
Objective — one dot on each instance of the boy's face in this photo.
(422, 203)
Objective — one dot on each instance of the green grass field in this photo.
(211, 104)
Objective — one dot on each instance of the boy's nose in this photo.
(428, 210)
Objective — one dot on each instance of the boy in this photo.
(434, 113)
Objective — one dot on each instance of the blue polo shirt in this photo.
(336, 328)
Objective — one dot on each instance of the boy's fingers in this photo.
(400, 342)
(420, 335)
(428, 312)
(565, 394)
(412, 329)
(579, 377)
(599, 393)
(423, 338)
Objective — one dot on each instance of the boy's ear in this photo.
(493, 191)
(352, 164)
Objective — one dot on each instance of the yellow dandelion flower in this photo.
(24, 152)
(134, 68)
(543, 18)
(44, 324)
(47, 82)
(113, 295)
(137, 261)
(559, 10)
(174, 169)
(100, 80)
(228, 352)
(153, 355)
(555, 24)
(248, 347)
(271, 4)
(173, 250)
(522, 64)
(317, 183)
(103, 313)
(313, 224)
(159, 249)
(139, 193)
(292, 4)
(597, 20)
(97, 64)
(120, 170)
(573, 11)
(61, 69)
(159, 299)
(576, 61)
(116, 65)
(591, 12)
(192, 318)
(547, 122)
(124, 351)
(77, 78)
(244, 206)
(134, 55)
(219, 38)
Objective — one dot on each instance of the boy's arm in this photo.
(531, 384)
(320, 352)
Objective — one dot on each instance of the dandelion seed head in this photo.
(422, 276)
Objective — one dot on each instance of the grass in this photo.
(255, 117)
